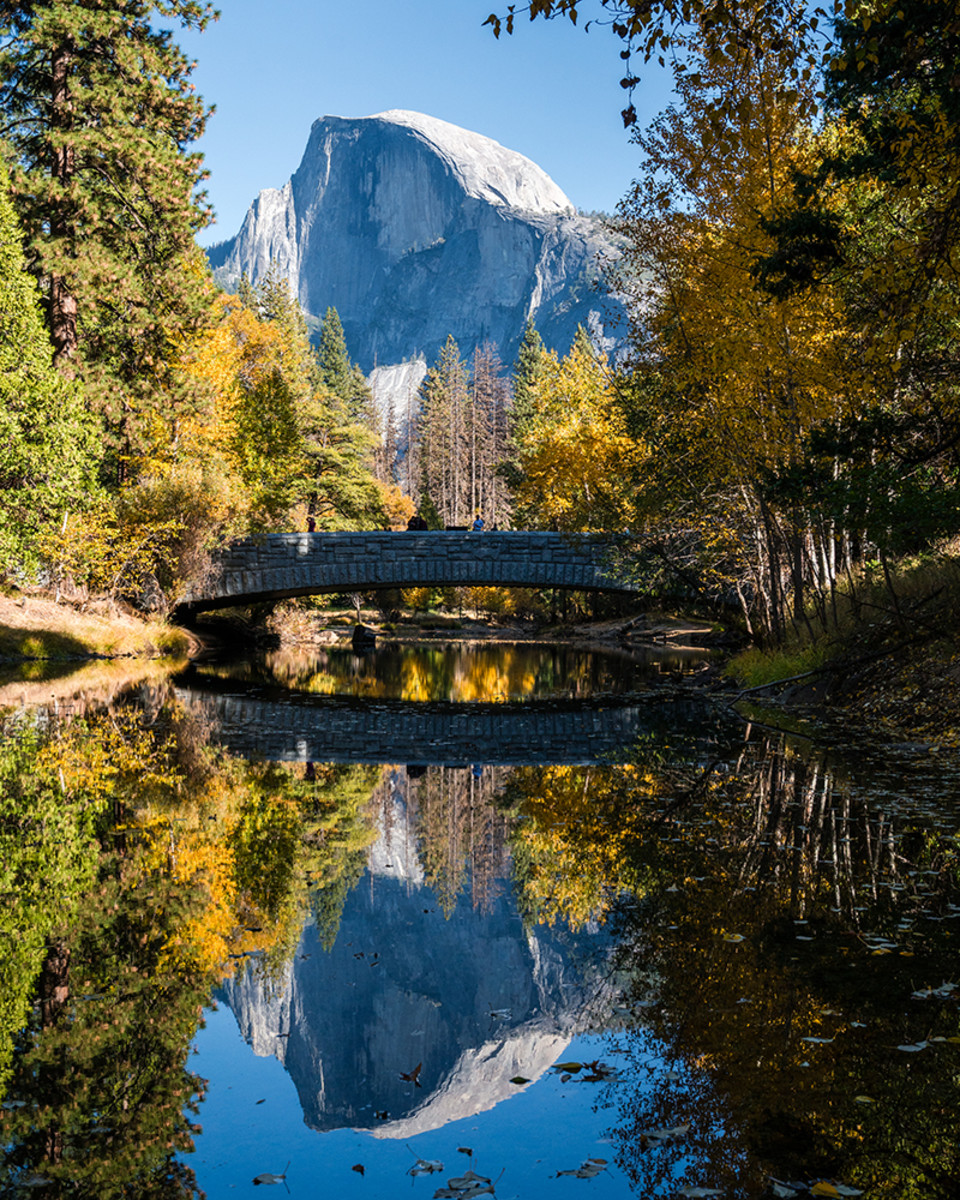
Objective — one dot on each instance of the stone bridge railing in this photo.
(279, 565)
(332, 729)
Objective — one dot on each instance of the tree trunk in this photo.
(63, 303)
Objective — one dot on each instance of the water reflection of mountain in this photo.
(285, 726)
(474, 998)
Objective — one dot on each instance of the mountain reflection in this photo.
(763, 933)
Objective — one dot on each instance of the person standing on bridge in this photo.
(478, 523)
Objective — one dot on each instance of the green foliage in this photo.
(753, 667)
(333, 360)
(526, 373)
(48, 450)
(99, 112)
(268, 447)
(48, 860)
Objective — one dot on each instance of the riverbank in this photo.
(34, 628)
(900, 688)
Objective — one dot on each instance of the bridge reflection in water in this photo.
(297, 727)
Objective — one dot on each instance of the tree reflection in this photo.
(459, 673)
(782, 926)
(139, 868)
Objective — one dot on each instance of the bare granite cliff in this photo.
(413, 229)
(414, 1019)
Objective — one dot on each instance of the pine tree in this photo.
(583, 343)
(47, 443)
(526, 372)
(99, 110)
(442, 436)
(335, 367)
(489, 399)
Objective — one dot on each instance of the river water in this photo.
(459, 921)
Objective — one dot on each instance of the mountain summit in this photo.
(413, 229)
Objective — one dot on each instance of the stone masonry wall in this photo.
(296, 564)
(335, 731)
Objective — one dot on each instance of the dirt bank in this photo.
(34, 627)
(900, 694)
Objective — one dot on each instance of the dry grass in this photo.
(93, 685)
(36, 627)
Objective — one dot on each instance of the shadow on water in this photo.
(750, 942)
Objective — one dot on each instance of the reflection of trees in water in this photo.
(462, 673)
(139, 866)
(460, 832)
(793, 920)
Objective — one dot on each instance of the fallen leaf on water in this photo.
(666, 1135)
(459, 1182)
(698, 1193)
(359, 1168)
(519, 1079)
(825, 1188)
(913, 1047)
(501, 1014)
(425, 1166)
(267, 1177)
(464, 1186)
(587, 1170)
(783, 1191)
(817, 1040)
(864, 1100)
(413, 1076)
(572, 1067)
(733, 937)
(464, 1150)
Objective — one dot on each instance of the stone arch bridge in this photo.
(278, 565)
(302, 728)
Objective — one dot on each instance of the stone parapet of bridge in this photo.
(279, 565)
(333, 729)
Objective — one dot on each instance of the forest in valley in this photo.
(779, 434)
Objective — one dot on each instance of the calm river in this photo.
(517, 921)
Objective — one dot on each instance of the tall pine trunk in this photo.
(63, 303)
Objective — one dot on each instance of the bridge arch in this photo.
(279, 565)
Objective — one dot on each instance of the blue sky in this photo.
(551, 91)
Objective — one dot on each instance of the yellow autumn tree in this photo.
(730, 380)
(578, 465)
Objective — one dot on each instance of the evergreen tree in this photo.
(442, 436)
(487, 421)
(47, 443)
(99, 110)
(332, 356)
(526, 372)
(386, 456)
(583, 343)
(341, 377)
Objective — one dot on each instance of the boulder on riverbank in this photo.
(364, 638)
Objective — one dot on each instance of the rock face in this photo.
(474, 998)
(414, 229)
